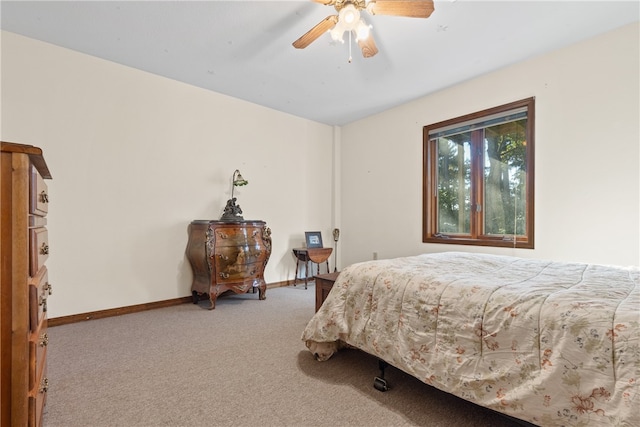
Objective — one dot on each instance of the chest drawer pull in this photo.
(44, 340)
(224, 275)
(44, 385)
(44, 249)
(44, 197)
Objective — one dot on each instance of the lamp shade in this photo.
(238, 180)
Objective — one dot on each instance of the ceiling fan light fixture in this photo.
(349, 16)
(337, 32)
(362, 30)
(349, 20)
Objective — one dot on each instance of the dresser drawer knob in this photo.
(44, 385)
(44, 340)
(44, 249)
(44, 197)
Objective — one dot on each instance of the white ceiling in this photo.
(243, 48)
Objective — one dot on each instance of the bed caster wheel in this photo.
(380, 384)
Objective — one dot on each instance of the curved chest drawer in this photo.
(228, 256)
(246, 236)
(239, 272)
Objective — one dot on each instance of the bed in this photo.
(550, 343)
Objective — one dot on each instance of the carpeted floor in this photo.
(242, 364)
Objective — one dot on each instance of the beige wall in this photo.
(587, 160)
(136, 157)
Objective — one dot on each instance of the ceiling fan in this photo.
(348, 19)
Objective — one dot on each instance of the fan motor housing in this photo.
(359, 4)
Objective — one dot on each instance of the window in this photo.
(478, 178)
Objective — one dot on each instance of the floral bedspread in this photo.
(554, 344)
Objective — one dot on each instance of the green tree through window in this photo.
(478, 178)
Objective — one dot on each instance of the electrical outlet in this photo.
(375, 255)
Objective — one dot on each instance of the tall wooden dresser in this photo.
(24, 284)
(228, 256)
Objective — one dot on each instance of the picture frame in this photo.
(313, 239)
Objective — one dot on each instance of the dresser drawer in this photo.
(228, 236)
(38, 194)
(238, 272)
(235, 256)
(38, 342)
(38, 398)
(38, 249)
(39, 291)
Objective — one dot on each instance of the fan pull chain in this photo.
(350, 57)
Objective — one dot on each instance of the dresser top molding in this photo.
(35, 154)
(245, 221)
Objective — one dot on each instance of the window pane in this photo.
(454, 184)
(505, 179)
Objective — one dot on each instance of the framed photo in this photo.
(313, 238)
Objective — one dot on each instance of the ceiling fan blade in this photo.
(409, 8)
(322, 27)
(326, 2)
(368, 46)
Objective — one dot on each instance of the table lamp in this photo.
(232, 211)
